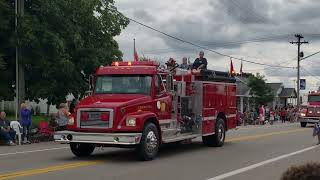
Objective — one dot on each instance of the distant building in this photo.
(282, 96)
(243, 94)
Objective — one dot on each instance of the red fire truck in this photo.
(310, 113)
(139, 105)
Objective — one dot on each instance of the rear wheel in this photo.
(303, 124)
(82, 149)
(217, 139)
(149, 143)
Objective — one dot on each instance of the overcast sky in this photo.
(224, 26)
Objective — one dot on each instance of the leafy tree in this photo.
(261, 91)
(63, 42)
(7, 50)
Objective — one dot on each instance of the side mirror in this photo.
(169, 82)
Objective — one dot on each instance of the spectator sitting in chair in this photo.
(62, 116)
(6, 132)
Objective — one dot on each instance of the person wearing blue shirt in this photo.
(25, 115)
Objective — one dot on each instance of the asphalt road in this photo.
(251, 152)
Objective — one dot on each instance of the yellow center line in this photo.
(243, 138)
(47, 170)
(62, 167)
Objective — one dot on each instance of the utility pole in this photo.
(299, 37)
(19, 11)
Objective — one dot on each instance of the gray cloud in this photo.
(143, 15)
(256, 30)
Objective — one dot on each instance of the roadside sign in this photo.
(302, 84)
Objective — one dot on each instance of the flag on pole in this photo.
(136, 57)
(241, 68)
(135, 54)
(232, 72)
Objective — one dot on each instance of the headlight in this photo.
(71, 121)
(131, 121)
(303, 114)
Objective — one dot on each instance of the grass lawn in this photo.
(35, 119)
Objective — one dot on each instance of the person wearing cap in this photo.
(171, 64)
(200, 62)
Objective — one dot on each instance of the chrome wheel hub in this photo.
(221, 132)
(151, 142)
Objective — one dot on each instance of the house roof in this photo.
(288, 92)
(242, 86)
(275, 87)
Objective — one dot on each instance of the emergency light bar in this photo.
(135, 63)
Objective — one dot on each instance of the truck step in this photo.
(181, 138)
(169, 133)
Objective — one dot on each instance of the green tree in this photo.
(63, 42)
(7, 50)
(261, 91)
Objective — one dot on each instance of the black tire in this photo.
(217, 139)
(303, 124)
(82, 149)
(149, 143)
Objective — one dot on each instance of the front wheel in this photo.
(217, 139)
(82, 149)
(303, 124)
(149, 143)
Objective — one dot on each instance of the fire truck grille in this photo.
(314, 112)
(95, 119)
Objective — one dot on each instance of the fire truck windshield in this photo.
(313, 98)
(123, 84)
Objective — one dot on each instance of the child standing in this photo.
(272, 115)
(316, 131)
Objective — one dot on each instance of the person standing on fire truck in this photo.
(184, 64)
(200, 62)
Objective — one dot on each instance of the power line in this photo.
(202, 47)
(310, 55)
(221, 45)
(311, 74)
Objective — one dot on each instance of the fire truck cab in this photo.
(310, 113)
(139, 105)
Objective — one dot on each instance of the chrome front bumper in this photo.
(309, 120)
(98, 138)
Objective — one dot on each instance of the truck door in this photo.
(231, 105)
(162, 99)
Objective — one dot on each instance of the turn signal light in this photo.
(104, 116)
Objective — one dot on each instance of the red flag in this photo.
(136, 57)
(232, 72)
(241, 68)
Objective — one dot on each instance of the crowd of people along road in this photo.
(265, 114)
(9, 130)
